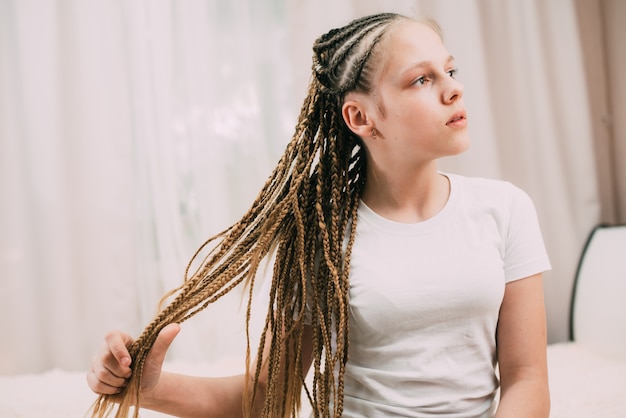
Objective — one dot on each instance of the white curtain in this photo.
(212, 114)
(132, 130)
(65, 153)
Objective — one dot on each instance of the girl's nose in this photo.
(454, 91)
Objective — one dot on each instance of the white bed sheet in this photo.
(582, 384)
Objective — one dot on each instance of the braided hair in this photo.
(306, 215)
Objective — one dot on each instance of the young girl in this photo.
(404, 288)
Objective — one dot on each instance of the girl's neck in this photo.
(407, 198)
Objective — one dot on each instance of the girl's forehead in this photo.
(409, 42)
(413, 34)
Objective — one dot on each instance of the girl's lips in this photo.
(458, 119)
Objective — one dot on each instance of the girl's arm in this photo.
(189, 396)
(170, 393)
(521, 347)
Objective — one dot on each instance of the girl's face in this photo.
(416, 105)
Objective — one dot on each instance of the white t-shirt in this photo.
(424, 302)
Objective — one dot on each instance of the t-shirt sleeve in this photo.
(525, 253)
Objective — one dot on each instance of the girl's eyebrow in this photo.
(430, 63)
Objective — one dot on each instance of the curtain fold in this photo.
(210, 120)
(614, 30)
(64, 241)
(131, 131)
(601, 35)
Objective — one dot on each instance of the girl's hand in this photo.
(111, 367)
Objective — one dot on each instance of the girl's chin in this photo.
(462, 144)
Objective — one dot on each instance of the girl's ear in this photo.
(355, 115)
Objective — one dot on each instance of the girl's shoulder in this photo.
(483, 187)
(491, 194)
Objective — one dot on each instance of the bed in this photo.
(583, 384)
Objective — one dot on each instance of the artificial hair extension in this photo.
(306, 213)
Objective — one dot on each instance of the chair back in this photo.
(598, 309)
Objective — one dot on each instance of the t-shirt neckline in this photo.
(369, 216)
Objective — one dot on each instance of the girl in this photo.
(404, 288)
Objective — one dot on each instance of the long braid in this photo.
(306, 213)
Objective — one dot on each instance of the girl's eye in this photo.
(452, 72)
(420, 81)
